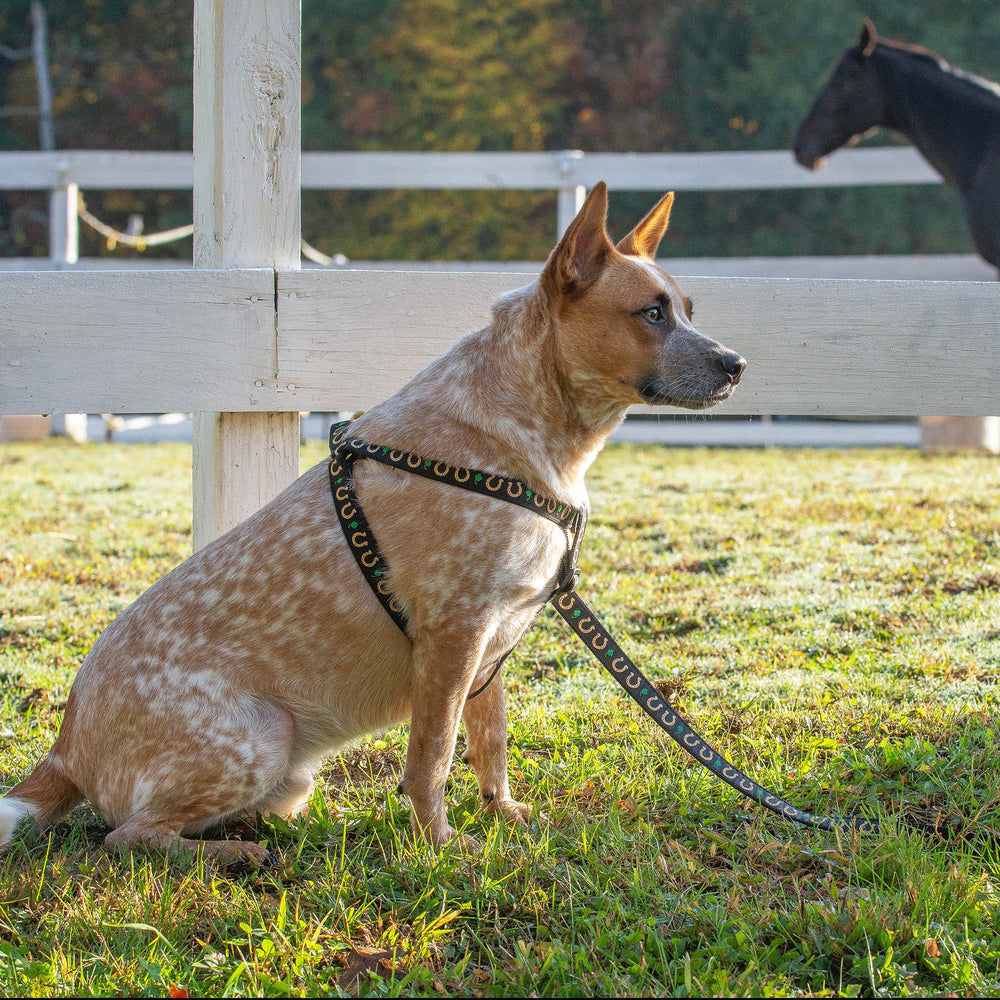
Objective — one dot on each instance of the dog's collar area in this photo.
(344, 452)
(488, 484)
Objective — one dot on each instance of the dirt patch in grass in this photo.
(365, 766)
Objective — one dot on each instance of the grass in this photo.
(831, 620)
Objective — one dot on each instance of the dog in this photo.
(221, 689)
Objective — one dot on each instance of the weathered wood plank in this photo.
(247, 145)
(898, 267)
(529, 171)
(165, 341)
(348, 339)
(135, 341)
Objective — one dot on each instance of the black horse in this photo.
(952, 117)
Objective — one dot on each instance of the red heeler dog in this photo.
(220, 691)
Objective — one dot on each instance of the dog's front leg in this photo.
(444, 665)
(486, 727)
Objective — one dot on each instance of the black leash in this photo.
(345, 451)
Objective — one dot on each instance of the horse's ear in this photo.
(645, 238)
(869, 37)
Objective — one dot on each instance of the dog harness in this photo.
(345, 451)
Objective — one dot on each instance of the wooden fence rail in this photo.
(568, 172)
(236, 340)
(106, 169)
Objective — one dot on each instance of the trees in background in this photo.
(600, 75)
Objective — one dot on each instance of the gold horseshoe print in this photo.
(356, 536)
(497, 479)
(342, 493)
(460, 478)
(668, 718)
(771, 800)
(747, 785)
(395, 455)
(538, 501)
(511, 493)
(413, 461)
(395, 605)
(585, 631)
(551, 506)
(366, 556)
(565, 601)
(599, 643)
(347, 511)
(706, 750)
(628, 681)
(382, 588)
(729, 772)
(690, 740)
(615, 662)
(651, 706)
(438, 471)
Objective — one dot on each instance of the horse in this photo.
(952, 117)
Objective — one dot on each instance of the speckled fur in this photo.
(220, 690)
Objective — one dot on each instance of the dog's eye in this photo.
(654, 314)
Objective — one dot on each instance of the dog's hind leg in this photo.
(290, 797)
(486, 727)
(444, 665)
(243, 760)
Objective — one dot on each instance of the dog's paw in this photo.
(465, 844)
(453, 840)
(510, 811)
(240, 854)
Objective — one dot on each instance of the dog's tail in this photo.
(46, 794)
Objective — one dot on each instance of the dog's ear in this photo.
(869, 37)
(580, 256)
(645, 238)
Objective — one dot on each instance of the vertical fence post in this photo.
(64, 251)
(64, 230)
(571, 196)
(981, 433)
(247, 153)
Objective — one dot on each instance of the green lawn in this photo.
(830, 620)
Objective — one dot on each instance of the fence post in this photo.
(247, 154)
(64, 251)
(571, 197)
(960, 432)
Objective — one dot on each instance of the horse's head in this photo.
(849, 104)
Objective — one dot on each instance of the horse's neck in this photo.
(935, 110)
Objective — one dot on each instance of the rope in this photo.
(318, 257)
(116, 236)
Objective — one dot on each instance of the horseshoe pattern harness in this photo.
(345, 451)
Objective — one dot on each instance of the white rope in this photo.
(318, 257)
(116, 236)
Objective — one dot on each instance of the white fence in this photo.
(567, 172)
(289, 340)
(246, 340)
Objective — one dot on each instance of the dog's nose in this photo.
(733, 365)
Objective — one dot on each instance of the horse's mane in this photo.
(963, 76)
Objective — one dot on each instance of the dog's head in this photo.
(622, 323)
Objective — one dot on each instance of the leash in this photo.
(345, 451)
